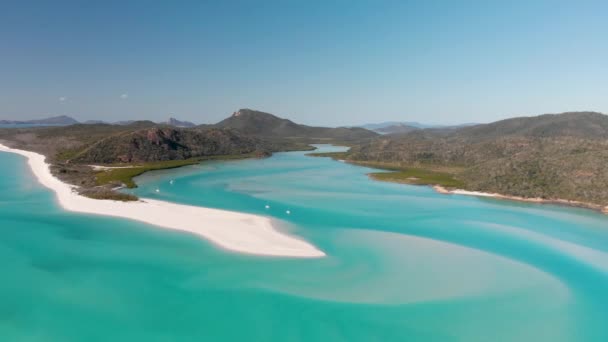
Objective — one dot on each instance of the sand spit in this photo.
(244, 233)
(600, 208)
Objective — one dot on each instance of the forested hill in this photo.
(256, 123)
(140, 146)
(587, 125)
(549, 156)
(246, 131)
(163, 144)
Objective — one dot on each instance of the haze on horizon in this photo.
(316, 62)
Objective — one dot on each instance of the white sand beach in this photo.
(103, 168)
(442, 190)
(475, 193)
(244, 233)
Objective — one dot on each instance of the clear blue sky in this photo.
(316, 62)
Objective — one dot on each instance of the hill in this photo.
(59, 142)
(163, 144)
(382, 125)
(386, 127)
(256, 123)
(397, 129)
(137, 147)
(55, 120)
(177, 123)
(552, 156)
(96, 142)
(586, 125)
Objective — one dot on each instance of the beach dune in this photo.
(238, 232)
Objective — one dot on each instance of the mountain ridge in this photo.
(53, 120)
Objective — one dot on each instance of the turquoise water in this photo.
(404, 263)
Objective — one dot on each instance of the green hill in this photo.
(144, 145)
(267, 125)
(164, 143)
(587, 125)
(553, 156)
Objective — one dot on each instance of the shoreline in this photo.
(443, 190)
(237, 232)
(570, 203)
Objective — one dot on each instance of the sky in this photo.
(324, 62)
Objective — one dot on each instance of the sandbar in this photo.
(238, 232)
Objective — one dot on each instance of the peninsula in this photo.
(244, 233)
(85, 163)
(551, 158)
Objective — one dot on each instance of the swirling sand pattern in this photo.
(403, 263)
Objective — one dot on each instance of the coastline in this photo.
(597, 207)
(443, 190)
(238, 232)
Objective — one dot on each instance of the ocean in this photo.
(404, 263)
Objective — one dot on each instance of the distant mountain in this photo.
(390, 126)
(171, 122)
(56, 120)
(549, 156)
(381, 125)
(177, 123)
(395, 129)
(256, 123)
(123, 123)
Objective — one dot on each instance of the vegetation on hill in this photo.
(418, 176)
(141, 146)
(269, 126)
(554, 156)
(168, 144)
(397, 129)
(561, 156)
(398, 173)
(123, 176)
(62, 143)
(136, 148)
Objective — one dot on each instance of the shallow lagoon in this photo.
(404, 263)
